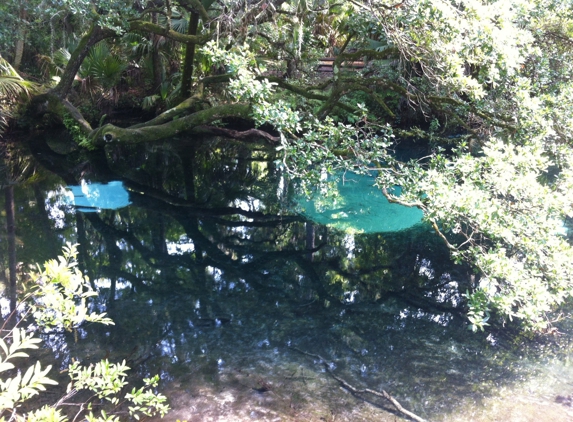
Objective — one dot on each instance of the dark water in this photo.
(217, 284)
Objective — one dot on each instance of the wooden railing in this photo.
(326, 64)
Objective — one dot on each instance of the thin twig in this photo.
(354, 390)
(62, 401)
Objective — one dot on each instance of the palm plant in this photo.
(102, 70)
(53, 66)
(12, 88)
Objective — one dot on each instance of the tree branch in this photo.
(110, 133)
(94, 35)
(198, 7)
(369, 54)
(139, 25)
(235, 134)
(77, 116)
(354, 390)
(180, 109)
(306, 93)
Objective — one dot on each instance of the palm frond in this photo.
(137, 44)
(180, 25)
(62, 57)
(102, 67)
(150, 102)
(5, 115)
(12, 85)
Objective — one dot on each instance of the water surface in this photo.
(240, 303)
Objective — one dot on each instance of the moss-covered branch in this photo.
(367, 54)
(305, 92)
(110, 133)
(299, 90)
(138, 25)
(183, 108)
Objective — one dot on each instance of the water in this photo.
(241, 304)
(350, 202)
(94, 197)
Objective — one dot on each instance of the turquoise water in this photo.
(351, 203)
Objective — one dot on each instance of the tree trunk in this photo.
(11, 233)
(155, 58)
(94, 35)
(19, 49)
(20, 36)
(187, 76)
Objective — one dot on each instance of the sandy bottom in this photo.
(300, 393)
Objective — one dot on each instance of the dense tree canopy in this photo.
(486, 84)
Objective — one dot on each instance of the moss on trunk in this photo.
(110, 133)
(189, 57)
(185, 107)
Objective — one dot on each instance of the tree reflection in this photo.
(209, 265)
(26, 222)
(216, 204)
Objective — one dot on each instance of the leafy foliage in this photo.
(500, 201)
(76, 132)
(60, 302)
(12, 88)
(15, 390)
(63, 293)
(505, 218)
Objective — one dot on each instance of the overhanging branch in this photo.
(139, 25)
(110, 133)
(244, 135)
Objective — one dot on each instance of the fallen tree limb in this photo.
(244, 135)
(85, 127)
(355, 390)
(110, 133)
(180, 109)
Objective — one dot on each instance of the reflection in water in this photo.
(350, 202)
(214, 284)
(92, 197)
